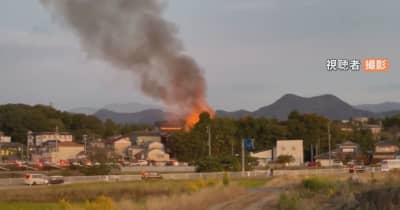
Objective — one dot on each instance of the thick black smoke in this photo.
(133, 35)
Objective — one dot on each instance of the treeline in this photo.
(17, 119)
(226, 135)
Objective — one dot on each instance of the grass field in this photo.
(135, 195)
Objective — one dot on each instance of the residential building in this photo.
(343, 152)
(145, 137)
(385, 150)
(263, 157)
(292, 148)
(359, 120)
(4, 138)
(169, 127)
(119, 145)
(148, 146)
(39, 138)
(11, 151)
(54, 151)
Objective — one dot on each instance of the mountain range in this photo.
(328, 105)
(130, 107)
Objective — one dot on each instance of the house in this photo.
(325, 159)
(385, 150)
(292, 148)
(359, 120)
(169, 127)
(145, 137)
(97, 143)
(4, 138)
(343, 152)
(348, 150)
(148, 146)
(375, 129)
(119, 145)
(11, 151)
(54, 151)
(263, 157)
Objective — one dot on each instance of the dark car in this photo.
(56, 180)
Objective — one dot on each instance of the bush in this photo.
(214, 164)
(225, 179)
(316, 184)
(288, 202)
(209, 164)
(95, 170)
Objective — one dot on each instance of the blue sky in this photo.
(252, 52)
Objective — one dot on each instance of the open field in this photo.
(288, 192)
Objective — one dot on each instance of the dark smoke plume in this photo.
(133, 35)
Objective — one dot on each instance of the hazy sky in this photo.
(252, 52)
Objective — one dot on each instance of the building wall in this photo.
(291, 147)
(5, 139)
(42, 138)
(392, 148)
(140, 140)
(156, 145)
(157, 155)
(63, 153)
(121, 146)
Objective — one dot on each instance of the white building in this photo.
(293, 148)
(56, 151)
(263, 157)
(37, 139)
(4, 139)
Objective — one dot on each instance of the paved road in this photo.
(18, 182)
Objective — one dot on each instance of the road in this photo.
(18, 182)
(256, 199)
(260, 198)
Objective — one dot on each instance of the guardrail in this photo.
(190, 176)
(161, 169)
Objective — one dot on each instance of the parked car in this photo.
(56, 179)
(312, 164)
(142, 162)
(151, 175)
(356, 166)
(337, 163)
(36, 179)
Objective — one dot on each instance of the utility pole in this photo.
(243, 166)
(312, 152)
(85, 142)
(209, 140)
(329, 143)
(28, 139)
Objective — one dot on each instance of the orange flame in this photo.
(193, 117)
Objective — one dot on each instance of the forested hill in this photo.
(17, 119)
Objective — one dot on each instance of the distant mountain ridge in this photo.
(381, 107)
(329, 106)
(149, 116)
(130, 107)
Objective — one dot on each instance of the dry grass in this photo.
(81, 192)
(195, 201)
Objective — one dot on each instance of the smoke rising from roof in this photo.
(132, 35)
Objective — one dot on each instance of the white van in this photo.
(36, 179)
(388, 165)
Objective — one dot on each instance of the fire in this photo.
(193, 117)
